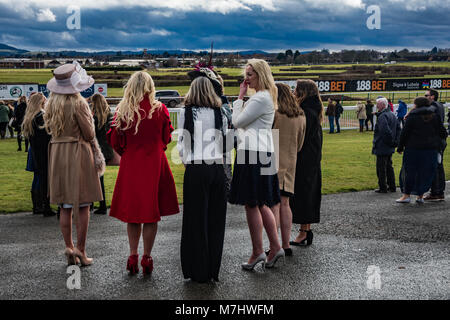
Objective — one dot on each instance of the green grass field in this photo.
(42, 76)
(347, 165)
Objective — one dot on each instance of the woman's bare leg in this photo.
(255, 225)
(65, 223)
(134, 234)
(149, 235)
(271, 230)
(82, 228)
(285, 222)
(276, 212)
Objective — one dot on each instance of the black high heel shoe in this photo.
(305, 242)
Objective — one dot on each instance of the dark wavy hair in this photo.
(308, 88)
(287, 104)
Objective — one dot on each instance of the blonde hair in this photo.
(308, 88)
(35, 105)
(202, 94)
(55, 115)
(265, 78)
(138, 86)
(100, 108)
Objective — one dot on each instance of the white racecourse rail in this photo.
(348, 119)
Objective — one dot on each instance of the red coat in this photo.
(145, 188)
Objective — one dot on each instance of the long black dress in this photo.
(305, 204)
(39, 148)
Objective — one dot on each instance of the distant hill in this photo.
(6, 50)
(252, 52)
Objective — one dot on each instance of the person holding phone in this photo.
(255, 183)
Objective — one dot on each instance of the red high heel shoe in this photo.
(147, 264)
(132, 264)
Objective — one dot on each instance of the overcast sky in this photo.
(270, 25)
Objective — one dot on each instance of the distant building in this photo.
(21, 64)
(128, 62)
(53, 64)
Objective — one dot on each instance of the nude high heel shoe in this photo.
(84, 260)
(250, 266)
(71, 258)
(271, 263)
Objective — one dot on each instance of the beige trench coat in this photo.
(72, 177)
(292, 135)
(361, 111)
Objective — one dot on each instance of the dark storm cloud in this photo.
(296, 24)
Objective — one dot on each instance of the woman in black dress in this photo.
(305, 203)
(33, 129)
(102, 120)
(19, 114)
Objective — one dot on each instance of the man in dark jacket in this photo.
(337, 114)
(438, 186)
(369, 114)
(331, 112)
(385, 139)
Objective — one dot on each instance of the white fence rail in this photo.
(347, 121)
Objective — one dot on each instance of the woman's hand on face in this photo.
(243, 89)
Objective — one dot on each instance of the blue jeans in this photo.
(331, 120)
(338, 126)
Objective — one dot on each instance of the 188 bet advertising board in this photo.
(337, 86)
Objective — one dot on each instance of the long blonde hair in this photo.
(55, 116)
(100, 108)
(34, 106)
(138, 86)
(265, 78)
(202, 94)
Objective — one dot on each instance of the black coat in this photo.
(386, 133)
(305, 203)
(100, 133)
(39, 149)
(423, 130)
(19, 114)
(339, 110)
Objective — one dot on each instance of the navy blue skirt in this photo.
(419, 169)
(254, 182)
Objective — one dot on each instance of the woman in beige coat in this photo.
(73, 179)
(290, 121)
(361, 114)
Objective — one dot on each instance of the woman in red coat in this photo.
(145, 189)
